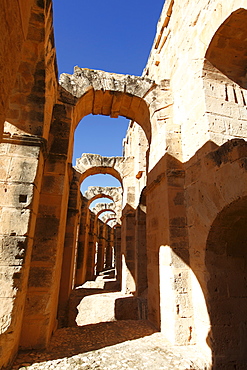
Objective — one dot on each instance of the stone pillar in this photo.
(112, 247)
(128, 250)
(40, 317)
(100, 255)
(141, 251)
(169, 291)
(109, 245)
(70, 249)
(21, 162)
(91, 249)
(118, 259)
(95, 244)
(104, 242)
(82, 243)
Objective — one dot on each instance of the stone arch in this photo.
(97, 192)
(99, 196)
(104, 207)
(110, 94)
(110, 219)
(226, 261)
(92, 164)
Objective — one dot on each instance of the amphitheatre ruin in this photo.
(171, 246)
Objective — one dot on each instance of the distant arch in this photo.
(99, 196)
(93, 164)
(104, 207)
(110, 219)
(97, 192)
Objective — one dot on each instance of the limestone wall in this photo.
(182, 237)
(15, 21)
(184, 33)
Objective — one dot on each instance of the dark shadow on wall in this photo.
(226, 235)
(227, 50)
(226, 261)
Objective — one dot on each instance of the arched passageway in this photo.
(226, 261)
(110, 94)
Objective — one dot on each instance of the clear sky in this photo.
(111, 35)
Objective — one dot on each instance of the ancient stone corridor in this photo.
(156, 276)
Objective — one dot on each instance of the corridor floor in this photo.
(117, 345)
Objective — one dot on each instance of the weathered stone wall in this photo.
(215, 214)
(14, 20)
(28, 93)
(183, 179)
(179, 53)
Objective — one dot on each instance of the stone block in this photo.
(36, 305)
(23, 170)
(53, 184)
(40, 277)
(47, 227)
(14, 221)
(16, 195)
(12, 250)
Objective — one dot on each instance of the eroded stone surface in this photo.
(84, 79)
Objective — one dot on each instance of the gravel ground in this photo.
(116, 345)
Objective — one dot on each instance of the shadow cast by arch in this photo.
(202, 242)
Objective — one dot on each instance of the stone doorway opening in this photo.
(226, 261)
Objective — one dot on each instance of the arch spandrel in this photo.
(84, 79)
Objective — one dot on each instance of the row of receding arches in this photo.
(227, 237)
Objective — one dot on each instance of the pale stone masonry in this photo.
(178, 239)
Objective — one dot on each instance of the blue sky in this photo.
(111, 35)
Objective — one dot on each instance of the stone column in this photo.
(109, 245)
(91, 249)
(40, 317)
(70, 249)
(95, 244)
(128, 250)
(112, 247)
(118, 259)
(82, 243)
(141, 251)
(21, 162)
(169, 291)
(100, 256)
(104, 242)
